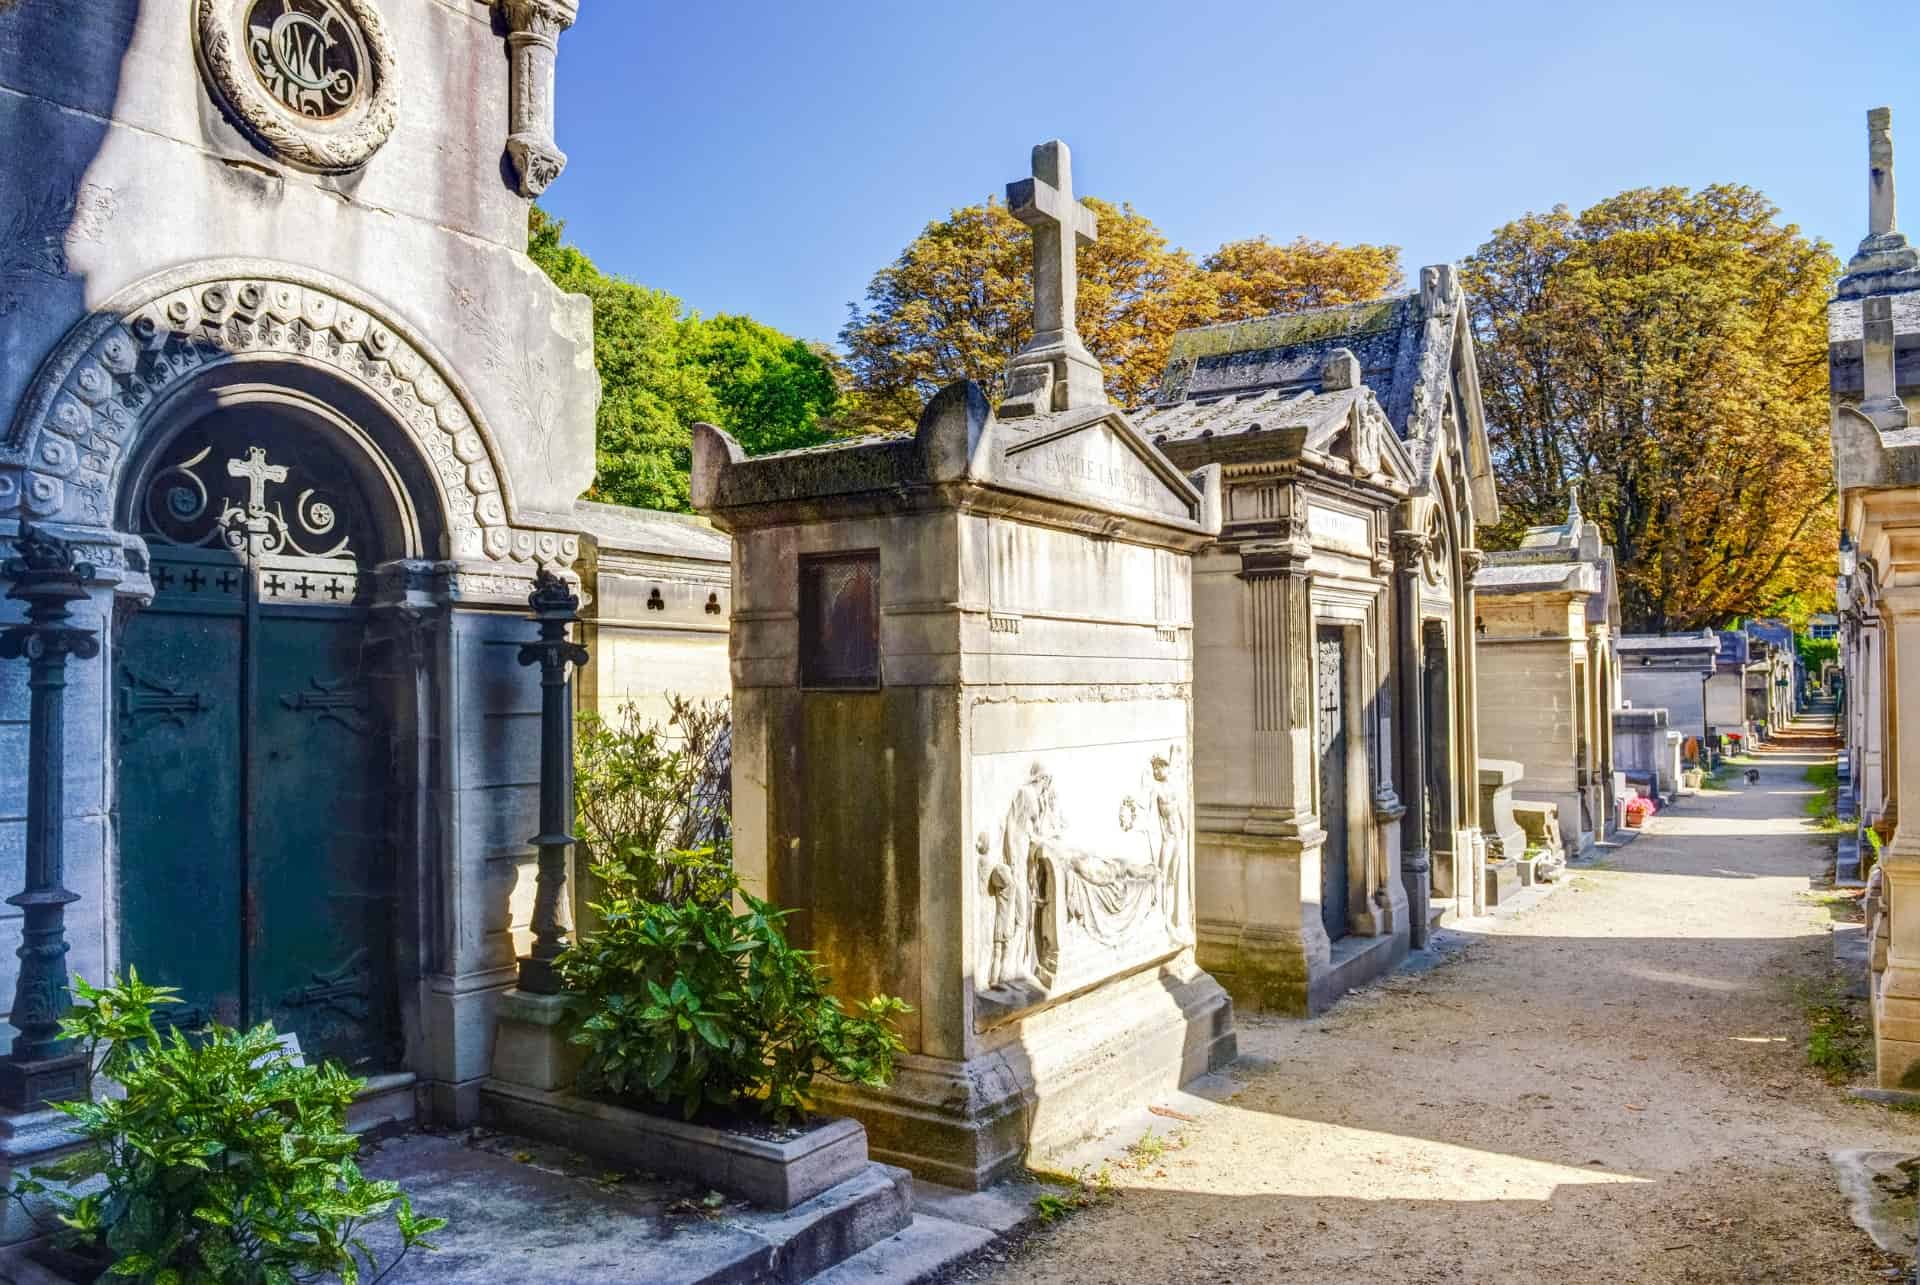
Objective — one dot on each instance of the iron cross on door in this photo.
(256, 864)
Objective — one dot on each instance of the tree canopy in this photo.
(1665, 352)
(663, 368)
(957, 303)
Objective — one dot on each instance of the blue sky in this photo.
(766, 158)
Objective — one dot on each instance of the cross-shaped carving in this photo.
(275, 584)
(305, 587)
(227, 581)
(1054, 372)
(1061, 225)
(258, 473)
(335, 588)
(195, 580)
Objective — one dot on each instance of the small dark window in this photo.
(840, 620)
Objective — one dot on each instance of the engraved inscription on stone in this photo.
(1096, 464)
(307, 53)
(1338, 530)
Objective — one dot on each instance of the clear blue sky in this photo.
(767, 158)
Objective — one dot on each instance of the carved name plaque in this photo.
(1095, 463)
(1337, 530)
(1083, 869)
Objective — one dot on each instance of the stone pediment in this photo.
(1091, 457)
(1087, 469)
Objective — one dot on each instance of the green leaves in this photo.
(224, 1160)
(663, 368)
(733, 1016)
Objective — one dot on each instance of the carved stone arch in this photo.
(115, 374)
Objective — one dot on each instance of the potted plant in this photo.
(1639, 808)
(219, 1158)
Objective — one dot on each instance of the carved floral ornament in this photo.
(95, 397)
(314, 82)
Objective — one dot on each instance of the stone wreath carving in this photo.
(314, 82)
(92, 401)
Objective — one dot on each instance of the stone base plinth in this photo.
(777, 1172)
(30, 1084)
(1059, 1077)
(29, 1138)
(530, 1044)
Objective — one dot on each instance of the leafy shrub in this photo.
(224, 1161)
(645, 791)
(695, 1003)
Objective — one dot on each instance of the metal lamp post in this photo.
(49, 577)
(555, 607)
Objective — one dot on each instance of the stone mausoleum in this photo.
(964, 737)
(1336, 772)
(275, 361)
(1874, 371)
(1548, 613)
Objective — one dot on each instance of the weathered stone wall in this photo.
(157, 256)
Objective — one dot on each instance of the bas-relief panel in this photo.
(1083, 864)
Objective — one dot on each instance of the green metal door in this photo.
(256, 865)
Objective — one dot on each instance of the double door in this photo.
(256, 871)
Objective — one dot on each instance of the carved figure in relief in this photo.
(1005, 913)
(1171, 840)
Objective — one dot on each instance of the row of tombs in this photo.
(1073, 725)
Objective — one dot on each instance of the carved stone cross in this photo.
(1054, 371)
(258, 473)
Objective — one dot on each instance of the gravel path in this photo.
(1611, 1086)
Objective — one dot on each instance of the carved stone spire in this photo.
(1885, 249)
(1575, 518)
(1054, 372)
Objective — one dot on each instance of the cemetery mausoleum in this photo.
(276, 364)
(1874, 369)
(1336, 773)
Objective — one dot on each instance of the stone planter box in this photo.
(1530, 872)
(775, 1168)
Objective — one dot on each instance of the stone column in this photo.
(49, 578)
(1279, 604)
(1471, 560)
(533, 42)
(1897, 1021)
(1416, 870)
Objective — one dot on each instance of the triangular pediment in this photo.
(1095, 458)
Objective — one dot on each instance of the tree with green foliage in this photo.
(663, 368)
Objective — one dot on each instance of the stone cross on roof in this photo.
(1054, 371)
(1884, 249)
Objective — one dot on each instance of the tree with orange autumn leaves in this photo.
(1665, 353)
(958, 302)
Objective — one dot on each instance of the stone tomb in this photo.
(1300, 886)
(1548, 612)
(962, 756)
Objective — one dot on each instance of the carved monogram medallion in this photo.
(312, 81)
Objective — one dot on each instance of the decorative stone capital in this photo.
(1409, 551)
(533, 40)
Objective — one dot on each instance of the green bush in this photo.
(694, 1003)
(224, 1161)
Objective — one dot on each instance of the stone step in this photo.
(927, 1247)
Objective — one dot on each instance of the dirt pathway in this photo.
(1611, 1086)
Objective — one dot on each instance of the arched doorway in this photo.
(258, 869)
